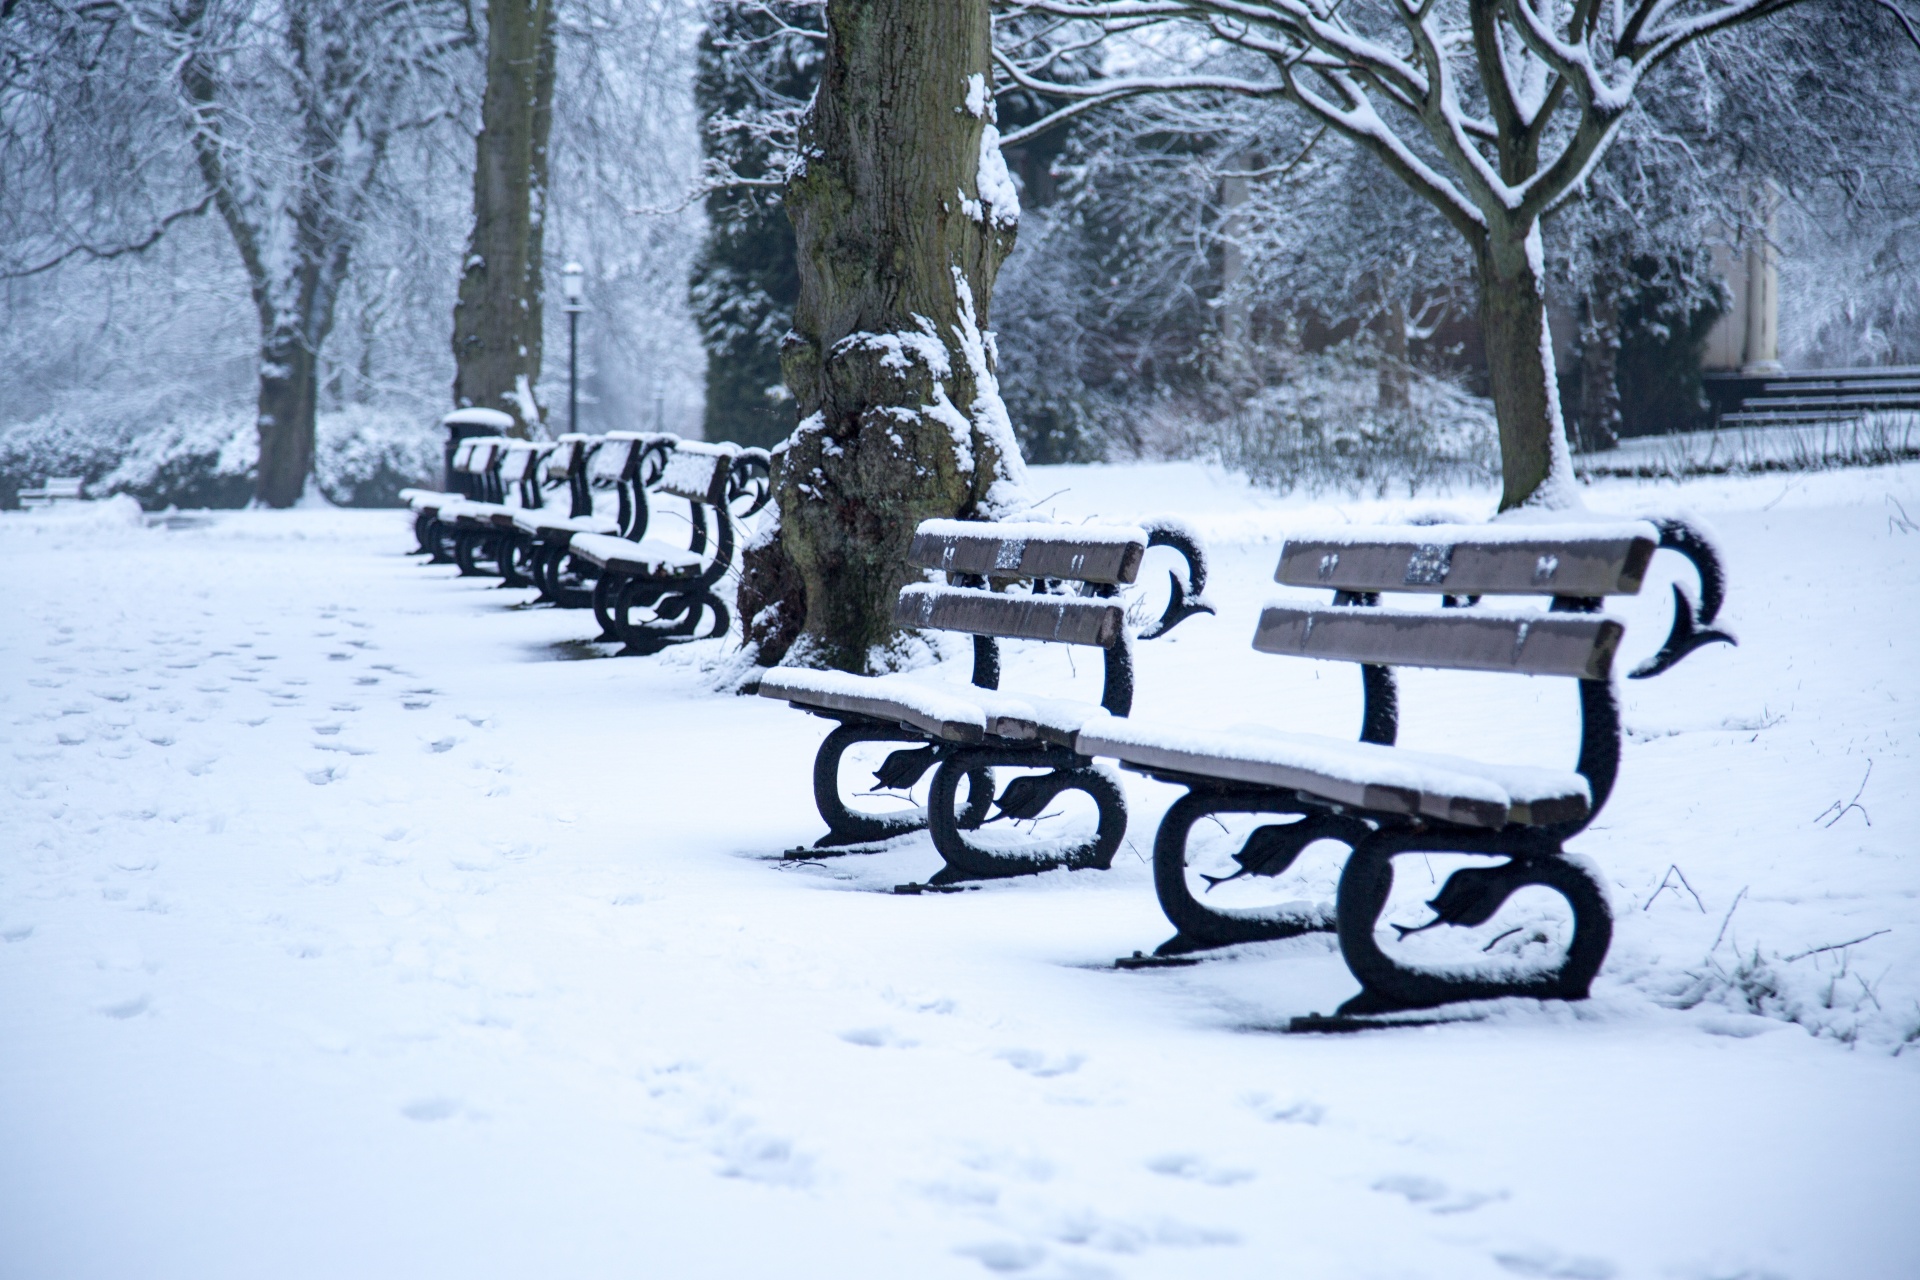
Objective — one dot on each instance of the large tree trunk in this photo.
(497, 320)
(898, 245)
(1534, 464)
(288, 369)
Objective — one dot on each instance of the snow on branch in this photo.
(1488, 108)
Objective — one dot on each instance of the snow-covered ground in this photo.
(351, 929)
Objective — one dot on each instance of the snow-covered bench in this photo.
(470, 469)
(621, 464)
(56, 489)
(963, 732)
(649, 592)
(483, 530)
(1385, 802)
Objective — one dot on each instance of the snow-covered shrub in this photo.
(1320, 425)
(170, 449)
(197, 461)
(364, 456)
(181, 452)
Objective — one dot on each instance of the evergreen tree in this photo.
(758, 66)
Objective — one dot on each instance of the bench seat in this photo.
(488, 513)
(1361, 775)
(648, 558)
(429, 499)
(950, 712)
(544, 523)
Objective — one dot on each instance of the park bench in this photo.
(649, 592)
(57, 489)
(1071, 575)
(622, 463)
(484, 530)
(469, 469)
(1384, 802)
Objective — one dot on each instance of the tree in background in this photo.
(497, 322)
(1492, 110)
(758, 66)
(902, 211)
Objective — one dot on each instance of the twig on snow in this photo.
(1835, 946)
(1666, 883)
(1840, 811)
(1727, 919)
(1901, 523)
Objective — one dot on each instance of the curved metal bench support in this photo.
(1269, 851)
(1469, 897)
(898, 771)
(1025, 797)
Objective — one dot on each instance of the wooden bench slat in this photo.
(1473, 560)
(1539, 644)
(1062, 619)
(1080, 553)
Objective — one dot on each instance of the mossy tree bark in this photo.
(497, 319)
(902, 215)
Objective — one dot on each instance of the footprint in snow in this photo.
(1297, 1112)
(1550, 1264)
(124, 1009)
(1005, 1256)
(876, 1038)
(427, 1110)
(321, 777)
(1035, 1063)
(1195, 1169)
(1434, 1195)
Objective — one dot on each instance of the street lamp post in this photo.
(574, 281)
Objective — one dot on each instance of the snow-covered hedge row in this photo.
(189, 455)
(1323, 427)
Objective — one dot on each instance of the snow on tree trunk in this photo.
(1534, 463)
(902, 211)
(497, 320)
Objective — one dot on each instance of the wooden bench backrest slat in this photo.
(565, 458)
(1061, 619)
(1101, 554)
(611, 460)
(1539, 644)
(698, 472)
(518, 460)
(1470, 560)
(463, 454)
(481, 459)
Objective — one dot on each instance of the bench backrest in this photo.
(519, 459)
(974, 555)
(563, 461)
(1105, 554)
(463, 454)
(1575, 564)
(698, 472)
(1474, 560)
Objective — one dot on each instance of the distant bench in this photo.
(649, 592)
(1071, 574)
(1385, 802)
(56, 489)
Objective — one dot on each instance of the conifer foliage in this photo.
(758, 66)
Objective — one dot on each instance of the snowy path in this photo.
(347, 929)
